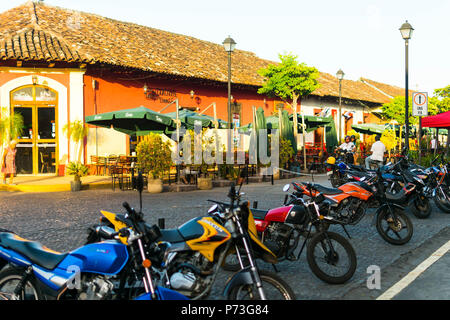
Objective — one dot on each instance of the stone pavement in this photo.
(59, 220)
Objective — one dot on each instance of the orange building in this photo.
(59, 65)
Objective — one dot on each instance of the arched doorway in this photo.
(37, 147)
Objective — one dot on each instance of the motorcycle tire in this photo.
(10, 277)
(274, 288)
(441, 202)
(421, 208)
(335, 180)
(403, 222)
(319, 241)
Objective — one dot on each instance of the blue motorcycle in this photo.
(96, 271)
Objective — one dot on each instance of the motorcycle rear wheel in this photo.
(318, 251)
(386, 224)
(274, 288)
(10, 278)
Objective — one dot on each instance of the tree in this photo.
(289, 81)
(440, 102)
(10, 128)
(395, 109)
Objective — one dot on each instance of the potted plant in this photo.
(78, 170)
(154, 155)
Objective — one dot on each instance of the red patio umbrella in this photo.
(441, 120)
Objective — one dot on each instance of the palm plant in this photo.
(76, 131)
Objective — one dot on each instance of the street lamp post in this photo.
(229, 44)
(340, 76)
(406, 31)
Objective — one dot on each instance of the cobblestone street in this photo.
(60, 220)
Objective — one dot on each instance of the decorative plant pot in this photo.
(155, 186)
(75, 185)
(204, 183)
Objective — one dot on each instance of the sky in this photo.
(361, 37)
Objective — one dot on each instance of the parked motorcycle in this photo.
(191, 255)
(31, 271)
(348, 204)
(330, 256)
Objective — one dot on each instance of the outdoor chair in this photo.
(117, 175)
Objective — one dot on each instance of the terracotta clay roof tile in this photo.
(42, 32)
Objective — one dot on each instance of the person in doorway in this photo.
(378, 149)
(9, 162)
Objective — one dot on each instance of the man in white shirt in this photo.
(433, 144)
(378, 150)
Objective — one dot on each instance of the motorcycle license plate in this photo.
(329, 173)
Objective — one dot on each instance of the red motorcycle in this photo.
(330, 256)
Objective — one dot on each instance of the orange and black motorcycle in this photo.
(348, 204)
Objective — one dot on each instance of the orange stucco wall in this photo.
(115, 92)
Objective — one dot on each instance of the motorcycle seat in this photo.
(171, 235)
(326, 190)
(259, 214)
(36, 252)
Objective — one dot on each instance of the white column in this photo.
(76, 105)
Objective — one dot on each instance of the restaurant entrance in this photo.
(37, 147)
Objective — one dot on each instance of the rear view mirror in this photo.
(286, 187)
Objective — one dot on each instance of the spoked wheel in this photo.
(331, 257)
(9, 279)
(335, 180)
(421, 207)
(396, 229)
(442, 199)
(274, 288)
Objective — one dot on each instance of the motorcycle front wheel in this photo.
(331, 257)
(421, 207)
(335, 180)
(274, 288)
(396, 229)
(441, 199)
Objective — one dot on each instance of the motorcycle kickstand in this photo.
(345, 230)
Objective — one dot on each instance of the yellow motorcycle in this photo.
(190, 257)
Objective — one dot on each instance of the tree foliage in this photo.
(289, 79)
(395, 109)
(440, 102)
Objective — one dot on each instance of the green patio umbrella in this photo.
(190, 119)
(369, 128)
(139, 121)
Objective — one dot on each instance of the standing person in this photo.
(378, 149)
(9, 162)
(434, 145)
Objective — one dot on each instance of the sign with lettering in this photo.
(420, 104)
(163, 95)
